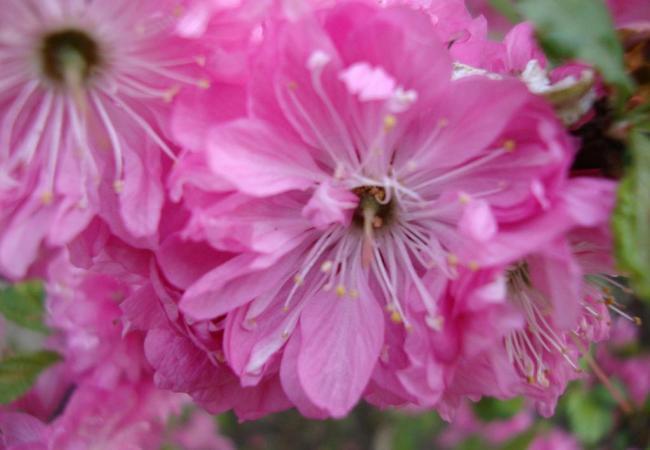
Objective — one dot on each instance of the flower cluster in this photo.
(275, 204)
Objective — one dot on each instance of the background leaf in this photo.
(631, 221)
(489, 408)
(580, 29)
(22, 303)
(590, 419)
(19, 372)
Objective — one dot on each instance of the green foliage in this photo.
(590, 416)
(413, 432)
(22, 304)
(521, 441)
(507, 9)
(19, 372)
(580, 29)
(631, 220)
(489, 408)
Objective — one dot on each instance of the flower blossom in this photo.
(86, 91)
(363, 182)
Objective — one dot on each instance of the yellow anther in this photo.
(530, 379)
(452, 259)
(203, 84)
(47, 197)
(509, 145)
(396, 317)
(435, 323)
(298, 279)
(285, 334)
(326, 266)
(285, 309)
(118, 186)
(473, 266)
(354, 294)
(463, 198)
(389, 122)
(340, 290)
(637, 321)
(178, 11)
(170, 93)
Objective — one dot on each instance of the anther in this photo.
(435, 323)
(463, 198)
(389, 122)
(118, 186)
(452, 259)
(47, 198)
(509, 145)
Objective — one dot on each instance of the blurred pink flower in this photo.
(562, 291)
(555, 440)
(84, 110)
(200, 433)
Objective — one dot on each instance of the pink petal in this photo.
(257, 160)
(341, 340)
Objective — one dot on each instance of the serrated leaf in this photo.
(590, 420)
(631, 220)
(22, 303)
(19, 372)
(580, 29)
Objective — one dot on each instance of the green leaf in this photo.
(506, 9)
(631, 220)
(489, 409)
(19, 372)
(581, 29)
(590, 419)
(22, 303)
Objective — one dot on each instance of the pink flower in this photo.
(364, 180)
(86, 90)
(561, 290)
(200, 433)
(102, 394)
(555, 440)
(126, 417)
(496, 431)
(129, 417)
(632, 14)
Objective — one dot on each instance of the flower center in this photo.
(69, 56)
(518, 277)
(373, 207)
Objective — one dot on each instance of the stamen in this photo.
(116, 145)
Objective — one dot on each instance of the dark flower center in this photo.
(373, 205)
(518, 276)
(69, 53)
